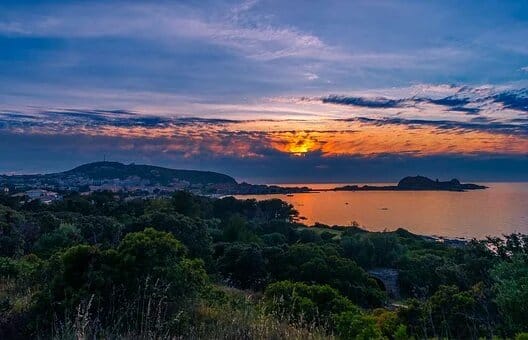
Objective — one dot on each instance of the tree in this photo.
(77, 274)
(273, 239)
(100, 230)
(65, 236)
(372, 249)
(276, 209)
(147, 266)
(192, 232)
(322, 265)
(237, 229)
(511, 287)
(187, 204)
(159, 256)
(307, 236)
(453, 312)
(243, 265)
(11, 238)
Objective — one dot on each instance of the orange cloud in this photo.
(328, 137)
(373, 140)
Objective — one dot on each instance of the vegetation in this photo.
(100, 266)
(156, 174)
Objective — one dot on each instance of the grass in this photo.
(225, 313)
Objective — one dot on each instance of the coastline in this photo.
(498, 210)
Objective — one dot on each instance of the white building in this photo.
(42, 195)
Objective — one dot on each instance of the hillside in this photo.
(116, 170)
(108, 170)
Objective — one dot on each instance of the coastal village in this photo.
(48, 191)
(50, 188)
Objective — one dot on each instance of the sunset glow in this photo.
(261, 90)
(357, 167)
(328, 138)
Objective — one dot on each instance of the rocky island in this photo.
(413, 183)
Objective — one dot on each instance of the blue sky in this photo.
(137, 70)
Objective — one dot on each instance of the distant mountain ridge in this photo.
(115, 170)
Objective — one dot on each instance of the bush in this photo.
(65, 236)
(300, 302)
(353, 325)
(322, 265)
(511, 287)
(273, 239)
(148, 266)
(242, 265)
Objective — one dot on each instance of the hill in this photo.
(101, 171)
(110, 170)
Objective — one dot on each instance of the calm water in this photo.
(503, 208)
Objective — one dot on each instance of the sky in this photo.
(268, 91)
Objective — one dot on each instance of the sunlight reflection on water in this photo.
(500, 209)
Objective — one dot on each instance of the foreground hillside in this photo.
(97, 266)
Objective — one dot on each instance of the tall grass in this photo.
(150, 317)
(250, 321)
(147, 315)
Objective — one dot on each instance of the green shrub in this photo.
(301, 302)
(354, 325)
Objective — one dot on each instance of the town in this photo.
(131, 181)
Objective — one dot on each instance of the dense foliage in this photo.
(194, 267)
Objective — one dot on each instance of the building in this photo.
(42, 195)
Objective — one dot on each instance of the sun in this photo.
(297, 143)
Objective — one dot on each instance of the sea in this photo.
(500, 209)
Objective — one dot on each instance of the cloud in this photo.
(235, 28)
(452, 102)
(311, 76)
(71, 118)
(62, 152)
(378, 102)
(200, 137)
(308, 148)
(437, 103)
(482, 124)
(117, 54)
(197, 81)
(514, 99)
(239, 32)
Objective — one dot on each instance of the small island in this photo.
(413, 183)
